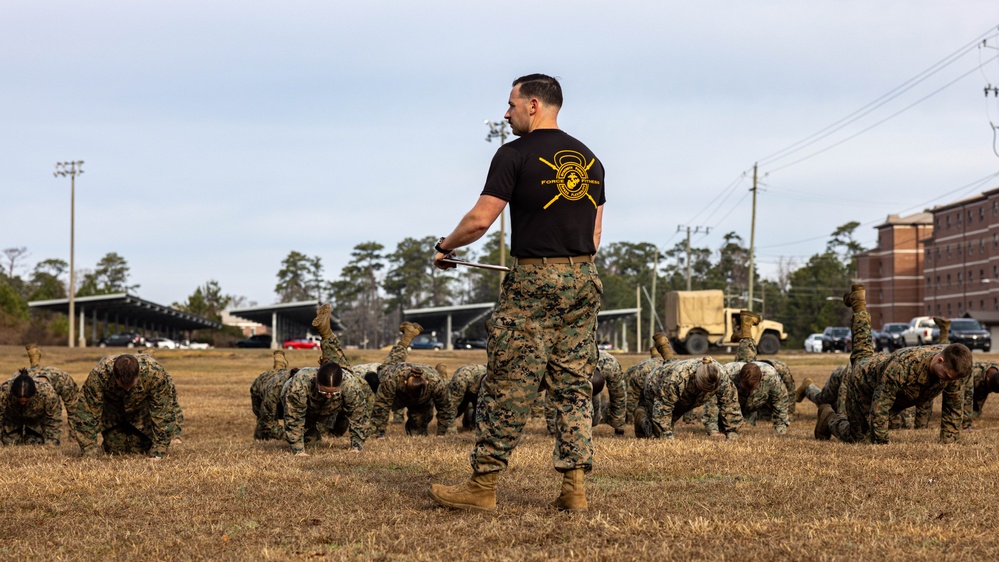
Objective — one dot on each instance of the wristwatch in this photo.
(438, 247)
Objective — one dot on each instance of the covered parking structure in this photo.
(285, 320)
(612, 325)
(129, 313)
(449, 319)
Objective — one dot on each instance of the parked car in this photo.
(162, 343)
(187, 344)
(836, 338)
(465, 343)
(919, 331)
(300, 343)
(813, 343)
(889, 337)
(258, 340)
(605, 346)
(969, 332)
(426, 341)
(128, 339)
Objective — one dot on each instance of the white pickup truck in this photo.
(919, 332)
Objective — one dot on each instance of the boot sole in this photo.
(454, 505)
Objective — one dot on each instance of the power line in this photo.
(880, 101)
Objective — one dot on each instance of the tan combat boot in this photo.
(856, 298)
(409, 331)
(747, 321)
(653, 353)
(34, 354)
(944, 325)
(799, 394)
(280, 361)
(822, 431)
(441, 369)
(478, 493)
(322, 321)
(640, 417)
(662, 345)
(573, 494)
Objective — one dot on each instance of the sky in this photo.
(220, 136)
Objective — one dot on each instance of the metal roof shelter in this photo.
(286, 320)
(449, 319)
(613, 323)
(129, 311)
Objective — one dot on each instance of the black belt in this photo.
(586, 258)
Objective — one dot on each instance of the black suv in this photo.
(969, 332)
(836, 339)
(259, 340)
(889, 337)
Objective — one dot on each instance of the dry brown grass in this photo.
(222, 496)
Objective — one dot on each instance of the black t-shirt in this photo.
(554, 185)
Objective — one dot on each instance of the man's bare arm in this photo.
(597, 227)
(473, 225)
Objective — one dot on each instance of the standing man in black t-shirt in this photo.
(545, 321)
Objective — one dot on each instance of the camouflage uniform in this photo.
(265, 398)
(65, 387)
(747, 352)
(883, 383)
(141, 420)
(419, 411)
(610, 404)
(770, 394)
(976, 391)
(833, 392)
(670, 392)
(369, 393)
(635, 376)
(307, 413)
(463, 391)
(39, 422)
(544, 327)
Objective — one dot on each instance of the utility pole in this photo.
(652, 304)
(498, 129)
(695, 230)
(71, 169)
(752, 243)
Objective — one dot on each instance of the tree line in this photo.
(378, 283)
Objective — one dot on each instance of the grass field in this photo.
(222, 496)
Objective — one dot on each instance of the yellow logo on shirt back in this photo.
(571, 176)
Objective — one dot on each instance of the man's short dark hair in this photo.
(23, 386)
(957, 358)
(125, 369)
(750, 376)
(541, 86)
(330, 374)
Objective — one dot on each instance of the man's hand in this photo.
(439, 264)
(301, 454)
(619, 431)
(716, 435)
(380, 435)
(354, 450)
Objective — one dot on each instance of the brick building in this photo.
(961, 268)
(893, 270)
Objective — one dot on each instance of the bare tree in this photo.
(14, 255)
(785, 268)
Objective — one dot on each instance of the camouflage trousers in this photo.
(21, 435)
(332, 351)
(543, 329)
(833, 393)
(125, 439)
(601, 405)
(852, 424)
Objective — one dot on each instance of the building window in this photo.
(995, 304)
(970, 248)
(995, 271)
(938, 281)
(981, 276)
(981, 246)
(948, 251)
(969, 216)
(981, 304)
(949, 313)
(948, 280)
(960, 278)
(960, 250)
(938, 251)
(995, 208)
(981, 214)
(948, 221)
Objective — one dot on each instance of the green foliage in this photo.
(207, 301)
(412, 280)
(300, 278)
(109, 277)
(13, 307)
(357, 299)
(45, 280)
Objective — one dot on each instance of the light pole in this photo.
(71, 169)
(498, 129)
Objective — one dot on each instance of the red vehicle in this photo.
(301, 343)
